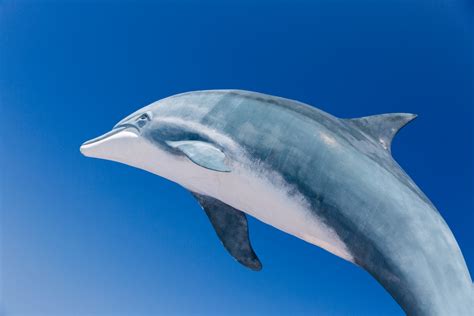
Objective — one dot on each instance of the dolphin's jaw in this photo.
(110, 146)
(127, 146)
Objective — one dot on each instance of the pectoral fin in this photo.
(203, 154)
(232, 229)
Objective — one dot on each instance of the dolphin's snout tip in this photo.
(83, 149)
(88, 147)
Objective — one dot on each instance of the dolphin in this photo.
(328, 181)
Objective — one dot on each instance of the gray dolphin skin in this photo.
(331, 182)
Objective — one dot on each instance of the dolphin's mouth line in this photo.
(116, 130)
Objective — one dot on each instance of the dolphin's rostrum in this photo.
(331, 182)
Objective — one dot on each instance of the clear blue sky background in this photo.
(89, 237)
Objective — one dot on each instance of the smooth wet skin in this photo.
(329, 181)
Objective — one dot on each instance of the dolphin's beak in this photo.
(110, 145)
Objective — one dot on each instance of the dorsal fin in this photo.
(382, 128)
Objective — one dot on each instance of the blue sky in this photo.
(89, 237)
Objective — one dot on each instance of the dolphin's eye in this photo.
(144, 117)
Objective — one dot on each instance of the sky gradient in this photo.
(83, 236)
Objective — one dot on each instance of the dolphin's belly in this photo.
(267, 197)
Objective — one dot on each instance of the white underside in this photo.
(250, 188)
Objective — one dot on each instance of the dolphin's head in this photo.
(164, 143)
(127, 142)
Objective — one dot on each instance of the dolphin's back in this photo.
(353, 185)
(270, 128)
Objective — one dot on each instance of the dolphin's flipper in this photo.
(232, 228)
(203, 154)
(382, 128)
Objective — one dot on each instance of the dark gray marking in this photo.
(232, 229)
